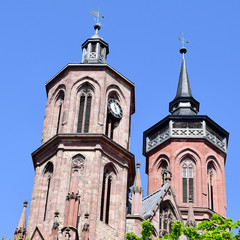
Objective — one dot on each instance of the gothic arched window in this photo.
(187, 180)
(59, 104)
(84, 112)
(48, 172)
(107, 184)
(210, 174)
(166, 218)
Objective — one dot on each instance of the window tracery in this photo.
(166, 218)
(84, 112)
(78, 161)
(187, 180)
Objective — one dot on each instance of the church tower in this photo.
(193, 148)
(83, 169)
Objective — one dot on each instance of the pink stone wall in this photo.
(90, 190)
(134, 225)
(103, 82)
(97, 154)
(201, 152)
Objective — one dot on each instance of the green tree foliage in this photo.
(217, 228)
(146, 232)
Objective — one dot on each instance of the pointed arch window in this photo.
(59, 104)
(187, 180)
(107, 186)
(48, 172)
(84, 111)
(210, 174)
(166, 218)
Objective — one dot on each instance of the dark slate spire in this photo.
(184, 103)
(184, 89)
(94, 49)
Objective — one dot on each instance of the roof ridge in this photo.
(156, 191)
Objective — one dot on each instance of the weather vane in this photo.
(182, 39)
(96, 14)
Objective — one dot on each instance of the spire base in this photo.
(184, 106)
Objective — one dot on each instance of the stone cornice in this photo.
(85, 142)
(200, 210)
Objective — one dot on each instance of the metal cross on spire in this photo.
(96, 14)
(182, 39)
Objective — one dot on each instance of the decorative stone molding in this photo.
(56, 224)
(73, 196)
(186, 132)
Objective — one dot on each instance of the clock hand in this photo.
(115, 108)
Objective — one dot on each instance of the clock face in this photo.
(114, 108)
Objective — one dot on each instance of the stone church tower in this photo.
(83, 169)
(193, 147)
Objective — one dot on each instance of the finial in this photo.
(25, 203)
(97, 26)
(138, 164)
(190, 199)
(181, 39)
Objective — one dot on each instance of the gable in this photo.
(161, 210)
(38, 234)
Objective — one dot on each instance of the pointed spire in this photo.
(137, 193)
(137, 186)
(184, 89)
(191, 219)
(21, 229)
(184, 103)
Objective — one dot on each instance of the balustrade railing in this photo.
(186, 133)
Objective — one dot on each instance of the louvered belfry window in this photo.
(187, 181)
(84, 111)
(87, 115)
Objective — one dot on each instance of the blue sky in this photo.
(38, 38)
